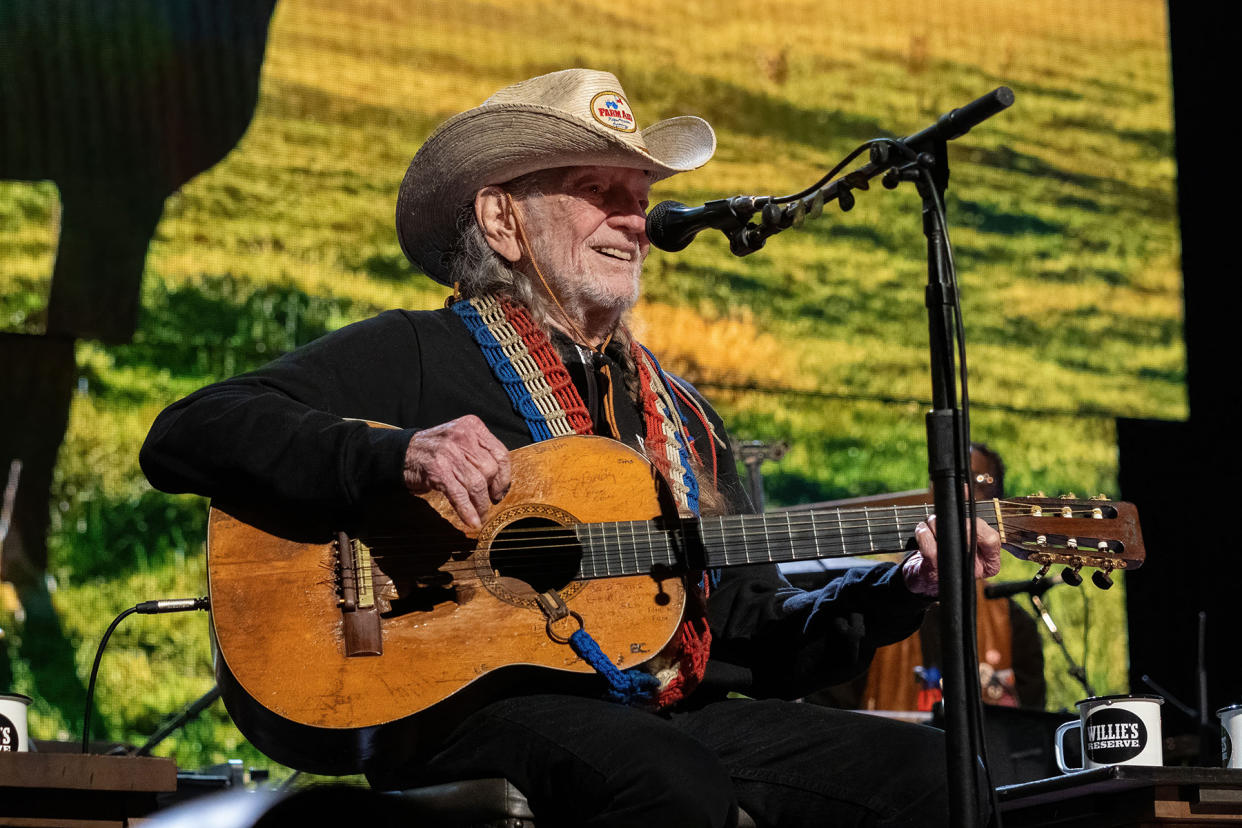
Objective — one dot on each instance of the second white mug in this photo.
(1230, 735)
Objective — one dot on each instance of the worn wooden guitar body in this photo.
(451, 632)
(338, 653)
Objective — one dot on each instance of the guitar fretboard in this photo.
(637, 547)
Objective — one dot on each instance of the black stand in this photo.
(923, 159)
(1075, 669)
(172, 726)
(947, 443)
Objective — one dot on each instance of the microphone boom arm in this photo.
(783, 212)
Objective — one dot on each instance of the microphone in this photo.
(672, 225)
(1008, 589)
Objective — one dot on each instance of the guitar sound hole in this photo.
(538, 554)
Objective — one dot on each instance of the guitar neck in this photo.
(638, 547)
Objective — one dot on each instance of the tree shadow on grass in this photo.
(222, 325)
(1148, 201)
(733, 108)
(987, 218)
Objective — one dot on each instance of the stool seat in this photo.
(481, 803)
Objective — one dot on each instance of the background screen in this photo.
(263, 160)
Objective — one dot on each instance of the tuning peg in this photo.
(1069, 496)
(1043, 570)
(1070, 576)
(1102, 579)
(1039, 494)
(1100, 496)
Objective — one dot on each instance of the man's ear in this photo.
(494, 211)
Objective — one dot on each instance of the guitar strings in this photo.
(649, 546)
(646, 551)
(825, 520)
(468, 571)
(645, 534)
(741, 527)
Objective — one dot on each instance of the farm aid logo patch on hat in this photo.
(612, 110)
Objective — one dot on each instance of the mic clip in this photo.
(773, 218)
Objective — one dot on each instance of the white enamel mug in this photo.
(1115, 730)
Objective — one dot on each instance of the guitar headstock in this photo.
(1064, 531)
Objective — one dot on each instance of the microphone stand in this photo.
(947, 443)
(1074, 669)
(947, 425)
(180, 720)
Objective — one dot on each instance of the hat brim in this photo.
(496, 143)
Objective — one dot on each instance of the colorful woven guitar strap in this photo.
(538, 384)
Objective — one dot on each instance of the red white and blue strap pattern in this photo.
(537, 382)
(529, 369)
(668, 442)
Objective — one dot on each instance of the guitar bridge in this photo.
(360, 619)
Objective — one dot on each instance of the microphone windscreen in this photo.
(658, 233)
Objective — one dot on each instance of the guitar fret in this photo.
(598, 551)
(601, 550)
(867, 518)
(616, 542)
(745, 547)
(634, 547)
(604, 550)
(767, 541)
(590, 551)
(643, 544)
(897, 528)
(642, 552)
(663, 544)
(815, 535)
(802, 538)
(841, 532)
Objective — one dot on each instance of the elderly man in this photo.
(532, 207)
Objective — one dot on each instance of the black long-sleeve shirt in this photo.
(290, 435)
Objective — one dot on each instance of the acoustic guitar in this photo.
(338, 653)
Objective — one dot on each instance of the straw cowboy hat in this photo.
(570, 118)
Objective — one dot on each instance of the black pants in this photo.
(584, 762)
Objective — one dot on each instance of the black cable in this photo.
(90, 688)
(145, 608)
(1086, 627)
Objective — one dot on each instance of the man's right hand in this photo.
(462, 459)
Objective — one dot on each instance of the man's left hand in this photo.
(921, 570)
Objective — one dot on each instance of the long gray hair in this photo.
(476, 269)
